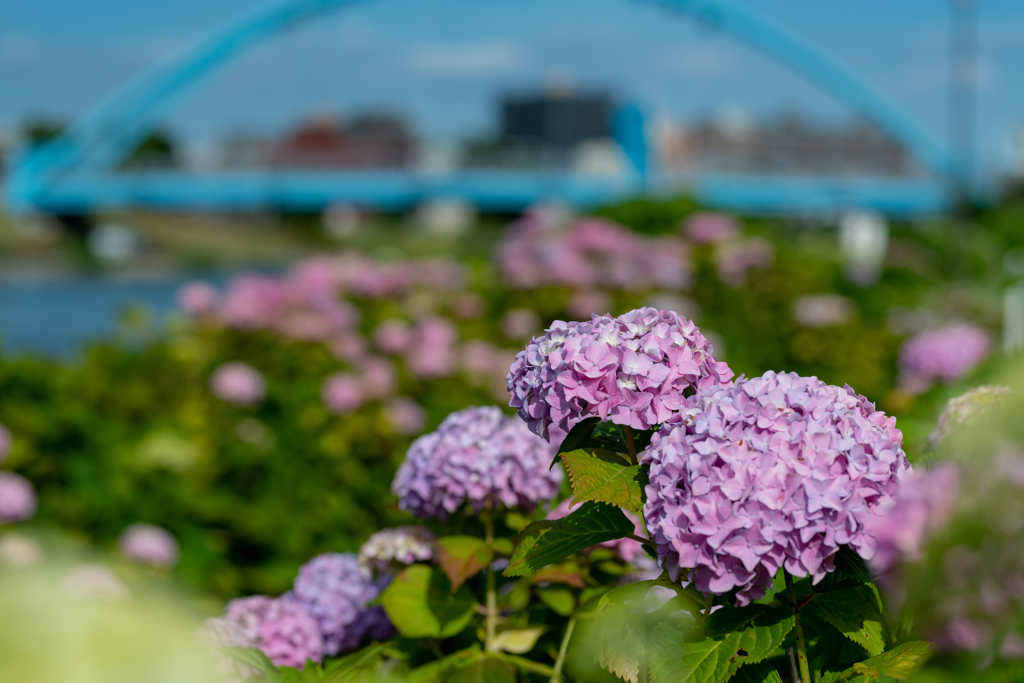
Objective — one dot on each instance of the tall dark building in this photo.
(555, 121)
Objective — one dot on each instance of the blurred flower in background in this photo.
(943, 355)
(17, 498)
(149, 544)
(705, 227)
(238, 383)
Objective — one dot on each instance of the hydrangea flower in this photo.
(149, 544)
(771, 472)
(706, 227)
(377, 377)
(632, 370)
(923, 504)
(431, 351)
(17, 498)
(944, 354)
(342, 393)
(405, 415)
(335, 589)
(480, 457)
(238, 383)
(392, 336)
(198, 298)
(398, 546)
(958, 410)
(278, 626)
(735, 260)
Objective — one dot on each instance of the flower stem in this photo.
(801, 643)
(630, 444)
(562, 649)
(492, 596)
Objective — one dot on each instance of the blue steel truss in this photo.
(76, 171)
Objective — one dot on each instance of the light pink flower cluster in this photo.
(632, 370)
(706, 227)
(431, 350)
(277, 626)
(150, 545)
(405, 415)
(17, 498)
(772, 472)
(923, 505)
(364, 277)
(592, 252)
(238, 383)
(198, 298)
(487, 365)
(735, 260)
(479, 457)
(944, 354)
(389, 549)
(342, 393)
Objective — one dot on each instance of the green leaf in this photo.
(559, 600)
(485, 669)
(542, 543)
(255, 659)
(438, 671)
(900, 662)
(619, 630)
(578, 436)
(852, 566)
(762, 672)
(604, 477)
(420, 604)
(461, 557)
(854, 612)
(517, 641)
(730, 638)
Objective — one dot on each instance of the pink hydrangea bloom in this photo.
(479, 457)
(149, 544)
(5, 443)
(238, 383)
(406, 416)
(705, 227)
(335, 590)
(377, 377)
(349, 347)
(469, 306)
(945, 354)
(431, 353)
(735, 260)
(584, 303)
(771, 472)
(198, 298)
(343, 393)
(923, 504)
(280, 627)
(392, 336)
(17, 498)
(632, 370)
(519, 323)
(253, 302)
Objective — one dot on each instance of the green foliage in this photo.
(603, 477)
(853, 612)
(900, 662)
(543, 543)
(421, 604)
(461, 557)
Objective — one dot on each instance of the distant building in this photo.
(555, 120)
(788, 144)
(368, 141)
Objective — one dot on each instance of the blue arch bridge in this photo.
(76, 173)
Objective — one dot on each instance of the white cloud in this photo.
(460, 59)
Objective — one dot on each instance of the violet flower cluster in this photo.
(772, 472)
(589, 253)
(944, 355)
(17, 498)
(149, 544)
(335, 590)
(633, 370)
(477, 457)
(391, 548)
(277, 626)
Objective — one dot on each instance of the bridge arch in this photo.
(101, 138)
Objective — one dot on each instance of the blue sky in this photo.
(442, 62)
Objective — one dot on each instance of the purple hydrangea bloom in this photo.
(923, 504)
(335, 589)
(771, 472)
(149, 544)
(398, 546)
(632, 370)
(238, 383)
(279, 627)
(477, 456)
(17, 498)
(945, 355)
